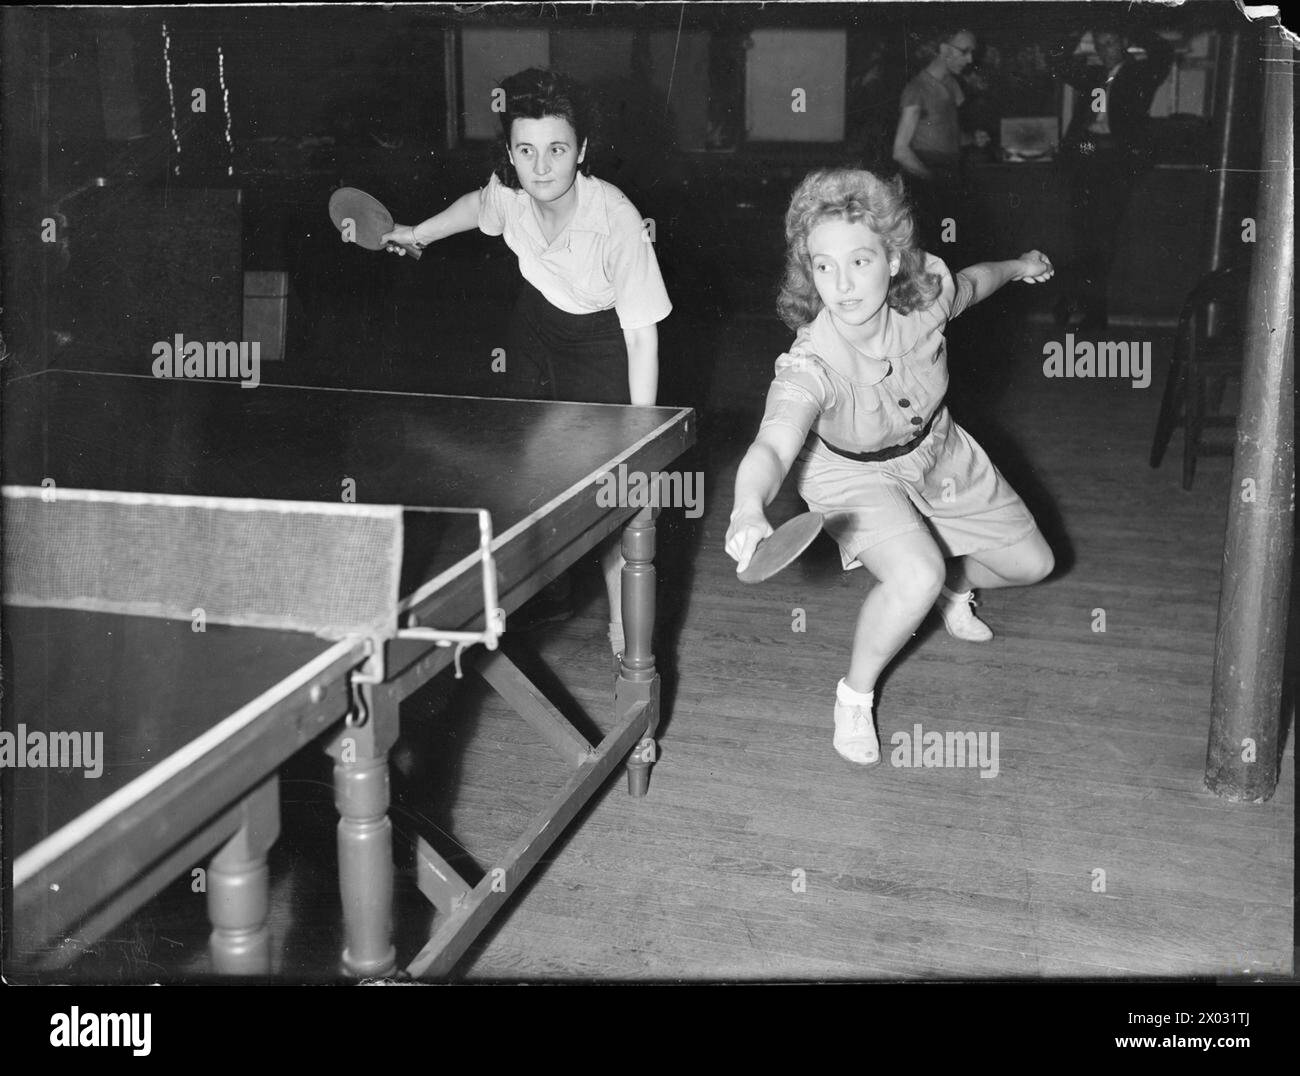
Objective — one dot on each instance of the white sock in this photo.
(848, 696)
(954, 595)
(616, 641)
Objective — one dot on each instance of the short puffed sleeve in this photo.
(955, 292)
(492, 201)
(800, 391)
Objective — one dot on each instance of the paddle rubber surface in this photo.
(369, 217)
(782, 547)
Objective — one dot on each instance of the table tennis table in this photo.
(197, 724)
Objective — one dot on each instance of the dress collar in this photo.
(591, 214)
(843, 357)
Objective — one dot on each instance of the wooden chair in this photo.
(1207, 353)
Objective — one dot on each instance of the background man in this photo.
(1106, 151)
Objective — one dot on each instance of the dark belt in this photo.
(885, 453)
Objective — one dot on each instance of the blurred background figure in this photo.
(927, 143)
(1105, 151)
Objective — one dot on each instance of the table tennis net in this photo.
(330, 569)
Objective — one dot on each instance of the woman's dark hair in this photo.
(534, 94)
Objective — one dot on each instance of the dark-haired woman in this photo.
(585, 327)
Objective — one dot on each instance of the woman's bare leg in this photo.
(611, 566)
(910, 571)
(1028, 561)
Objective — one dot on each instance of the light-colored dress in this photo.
(831, 392)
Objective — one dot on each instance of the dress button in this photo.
(904, 403)
(916, 420)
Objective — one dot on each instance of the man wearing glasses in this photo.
(927, 144)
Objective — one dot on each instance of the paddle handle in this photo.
(411, 252)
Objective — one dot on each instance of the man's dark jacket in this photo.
(1128, 101)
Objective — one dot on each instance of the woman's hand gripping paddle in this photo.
(782, 547)
(362, 219)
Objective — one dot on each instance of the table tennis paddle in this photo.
(782, 547)
(369, 218)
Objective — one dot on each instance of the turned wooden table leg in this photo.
(638, 679)
(365, 835)
(365, 842)
(238, 888)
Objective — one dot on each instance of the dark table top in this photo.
(155, 686)
(147, 434)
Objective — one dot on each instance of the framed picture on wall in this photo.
(488, 56)
(795, 85)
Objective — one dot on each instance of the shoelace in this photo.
(859, 722)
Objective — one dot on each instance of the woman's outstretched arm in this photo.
(986, 277)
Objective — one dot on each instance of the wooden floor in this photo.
(759, 853)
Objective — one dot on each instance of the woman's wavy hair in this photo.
(852, 195)
(534, 94)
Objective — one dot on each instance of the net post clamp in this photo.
(494, 617)
(370, 673)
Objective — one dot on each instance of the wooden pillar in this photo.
(1242, 759)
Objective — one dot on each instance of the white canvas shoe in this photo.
(958, 612)
(855, 733)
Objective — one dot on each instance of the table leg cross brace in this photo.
(468, 910)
